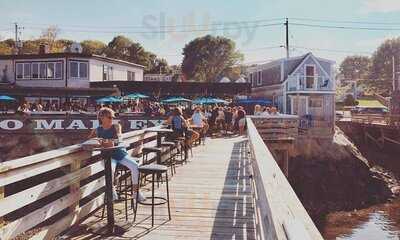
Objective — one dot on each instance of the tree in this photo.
(382, 59)
(355, 67)
(159, 65)
(93, 47)
(205, 58)
(49, 36)
(6, 46)
(118, 48)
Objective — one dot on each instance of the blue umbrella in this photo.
(176, 100)
(110, 99)
(135, 96)
(7, 98)
(254, 101)
(209, 100)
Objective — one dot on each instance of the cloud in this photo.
(382, 6)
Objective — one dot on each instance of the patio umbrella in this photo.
(209, 100)
(176, 100)
(7, 98)
(135, 96)
(254, 101)
(110, 99)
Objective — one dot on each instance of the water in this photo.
(379, 222)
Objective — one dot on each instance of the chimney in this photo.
(43, 48)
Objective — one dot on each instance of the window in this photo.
(42, 70)
(259, 79)
(78, 69)
(83, 70)
(107, 73)
(131, 76)
(251, 79)
(50, 70)
(310, 76)
(58, 71)
(315, 102)
(74, 71)
(35, 70)
(27, 70)
(20, 70)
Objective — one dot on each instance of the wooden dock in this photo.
(232, 188)
(211, 198)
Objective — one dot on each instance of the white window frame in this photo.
(60, 64)
(305, 75)
(48, 70)
(130, 75)
(45, 70)
(16, 70)
(38, 70)
(79, 66)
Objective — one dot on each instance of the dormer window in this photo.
(310, 76)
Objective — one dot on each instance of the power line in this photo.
(241, 50)
(333, 50)
(345, 27)
(160, 26)
(165, 31)
(345, 21)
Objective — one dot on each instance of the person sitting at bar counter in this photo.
(110, 135)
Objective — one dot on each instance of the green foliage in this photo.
(382, 59)
(120, 47)
(355, 67)
(206, 58)
(93, 47)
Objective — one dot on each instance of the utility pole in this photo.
(393, 74)
(18, 44)
(16, 33)
(287, 37)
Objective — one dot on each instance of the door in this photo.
(310, 76)
(300, 105)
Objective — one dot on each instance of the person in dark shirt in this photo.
(228, 118)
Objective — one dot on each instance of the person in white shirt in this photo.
(199, 120)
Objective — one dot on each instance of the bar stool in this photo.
(147, 150)
(181, 143)
(153, 170)
(123, 188)
(171, 162)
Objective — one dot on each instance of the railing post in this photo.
(75, 187)
(2, 195)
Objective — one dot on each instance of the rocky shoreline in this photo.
(332, 175)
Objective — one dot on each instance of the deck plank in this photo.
(211, 198)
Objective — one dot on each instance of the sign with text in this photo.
(65, 123)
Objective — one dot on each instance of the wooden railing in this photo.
(277, 126)
(279, 213)
(388, 119)
(44, 194)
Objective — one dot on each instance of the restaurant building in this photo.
(37, 75)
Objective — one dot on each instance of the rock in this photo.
(332, 175)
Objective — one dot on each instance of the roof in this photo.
(56, 91)
(67, 54)
(186, 89)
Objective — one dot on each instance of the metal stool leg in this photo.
(135, 207)
(126, 196)
(152, 199)
(169, 210)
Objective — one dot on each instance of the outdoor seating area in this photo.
(173, 210)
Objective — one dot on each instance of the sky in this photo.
(256, 26)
